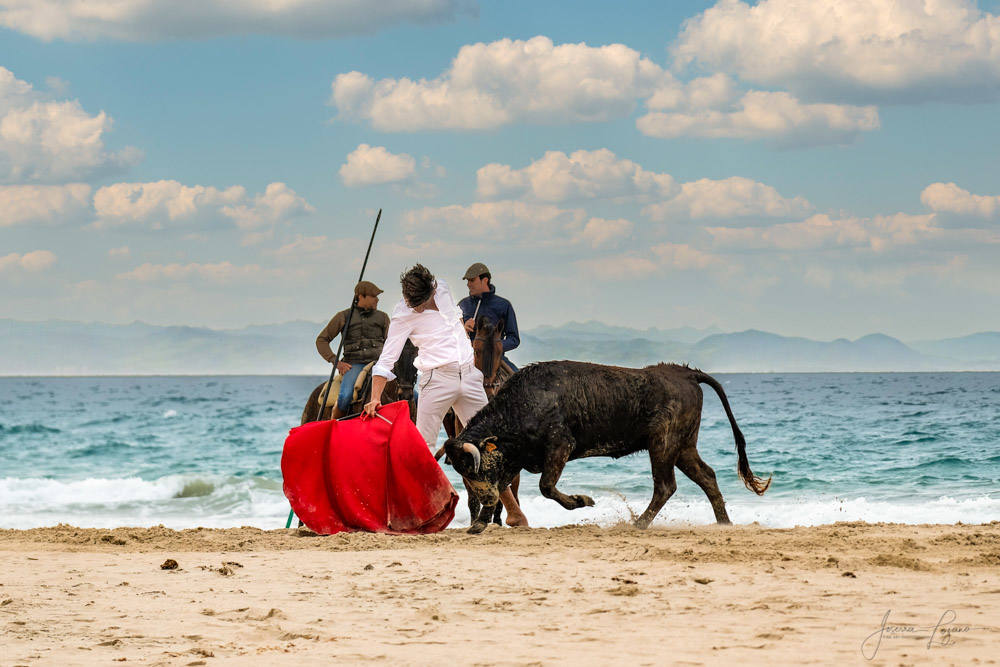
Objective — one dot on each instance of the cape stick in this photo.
(340, 347)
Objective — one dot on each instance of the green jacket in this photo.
(363, 341)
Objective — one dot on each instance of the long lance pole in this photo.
(347, 323)
(343, 335)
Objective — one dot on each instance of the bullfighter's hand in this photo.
(371, 407)
(470, 325)
(343, 367)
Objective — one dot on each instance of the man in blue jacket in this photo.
(483, 301)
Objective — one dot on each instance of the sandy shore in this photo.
(580, 594)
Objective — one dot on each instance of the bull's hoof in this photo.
(642, 524)
(583, 501)
(477, 527)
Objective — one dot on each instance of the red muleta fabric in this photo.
(367, 475)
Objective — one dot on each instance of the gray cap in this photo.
(475, 271)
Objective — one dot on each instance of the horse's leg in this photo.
(312, 406)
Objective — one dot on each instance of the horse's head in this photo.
(488, 347)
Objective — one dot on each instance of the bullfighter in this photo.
(428, 316)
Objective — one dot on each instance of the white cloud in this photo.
(583, 174)
(514, 223)
(51, 141)
(503, 221)
(535, 81)
(490, 85)
(727, 198)
(775, 116)
(141, 20)
(219, 272)
(619, 267)
(306, 248)
(158, 202)
(949, 198)
(123, 251)
(598, 174)
(852, 50)
(683, 257)
(375, 165)
(278, 203)
(662, 258)
(24, 204)
(601, 232)
(35, 261)
(161, 203)
(819, 232)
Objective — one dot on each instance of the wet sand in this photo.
(578, 594)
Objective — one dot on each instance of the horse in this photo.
(400, 389)
(487, 347)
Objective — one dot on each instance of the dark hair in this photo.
(487, 276)
(418, 285)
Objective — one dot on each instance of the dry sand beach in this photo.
(578, 594)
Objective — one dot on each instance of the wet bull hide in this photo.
(557, 411)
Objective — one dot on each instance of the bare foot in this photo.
(517, 520)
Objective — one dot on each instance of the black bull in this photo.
(556, 411)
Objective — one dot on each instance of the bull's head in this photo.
(479, 465)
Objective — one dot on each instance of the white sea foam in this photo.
(169, 413)
(249, 501)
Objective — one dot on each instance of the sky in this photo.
(807, 168)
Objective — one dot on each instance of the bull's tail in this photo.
(752, 482)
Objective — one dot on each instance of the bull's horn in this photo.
(476, 456)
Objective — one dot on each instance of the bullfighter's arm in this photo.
(328, 334)
(399, 331)
(511, 338)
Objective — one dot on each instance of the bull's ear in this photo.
(488, 444)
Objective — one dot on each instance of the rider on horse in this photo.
(483, 301)
(362, 342)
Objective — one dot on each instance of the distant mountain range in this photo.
(75, 348)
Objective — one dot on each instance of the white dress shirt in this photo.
(439, 335)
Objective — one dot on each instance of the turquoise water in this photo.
(190, 451)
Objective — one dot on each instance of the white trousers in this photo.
(444, 387)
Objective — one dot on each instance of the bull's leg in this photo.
(513, 490)
(480, 522)
(555, 461)
(474, 505)
(662, 456)
(664, 485)
(702, 474)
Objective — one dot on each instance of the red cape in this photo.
(366, 475)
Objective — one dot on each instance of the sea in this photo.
(206, 451)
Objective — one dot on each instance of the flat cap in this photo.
(475, 271)
(365, 288)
